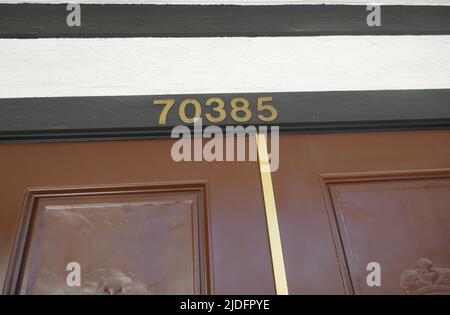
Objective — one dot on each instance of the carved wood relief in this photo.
(426, 279)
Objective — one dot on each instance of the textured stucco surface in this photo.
(134, 66)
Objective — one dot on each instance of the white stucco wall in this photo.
(134, 66)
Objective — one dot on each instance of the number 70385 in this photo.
(239, 109)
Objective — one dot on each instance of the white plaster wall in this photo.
(134, 66)
(246, 2)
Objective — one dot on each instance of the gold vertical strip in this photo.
(276, 249)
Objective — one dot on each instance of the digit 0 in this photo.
(182, 110)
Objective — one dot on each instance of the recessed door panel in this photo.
(147, 243)
(395, 223)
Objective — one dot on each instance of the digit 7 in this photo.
(167, 106)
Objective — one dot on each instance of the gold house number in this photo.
(239, 109)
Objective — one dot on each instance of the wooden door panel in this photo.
(393, 223)
(240, 257)
(394, 220)
(140, 241)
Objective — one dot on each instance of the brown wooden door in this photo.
(345, 200)
(136, 221)
(139, 223)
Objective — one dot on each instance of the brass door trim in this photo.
(276, 248)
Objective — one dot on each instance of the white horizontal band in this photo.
(136, 66)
